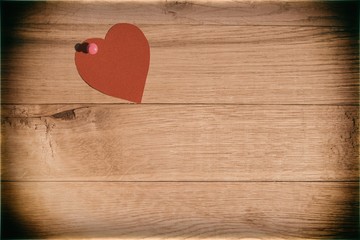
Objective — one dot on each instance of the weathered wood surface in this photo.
(186, 210)
(180, 142)
(250, 127)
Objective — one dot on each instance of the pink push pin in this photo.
(85, 47)
(92, 48)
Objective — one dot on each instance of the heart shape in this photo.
(120, 66)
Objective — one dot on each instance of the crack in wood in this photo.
(65, 115)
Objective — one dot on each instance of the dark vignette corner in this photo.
(12, 12)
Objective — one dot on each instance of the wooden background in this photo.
(249, 126)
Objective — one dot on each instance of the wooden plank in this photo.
(148, 142)
(305, 13)
(186, 210)
(181, 35)
(194, 64)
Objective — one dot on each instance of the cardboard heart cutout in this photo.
(121, 64)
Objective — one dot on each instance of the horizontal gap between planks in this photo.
(159, 181)
(192, 104)
(205, 24)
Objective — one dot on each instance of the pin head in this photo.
(92, 48)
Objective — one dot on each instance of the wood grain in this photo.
(250, 127)
(215, 12)
(180, 143)
(186, 210)
(195, 64)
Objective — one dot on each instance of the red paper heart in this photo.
(120, 66)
